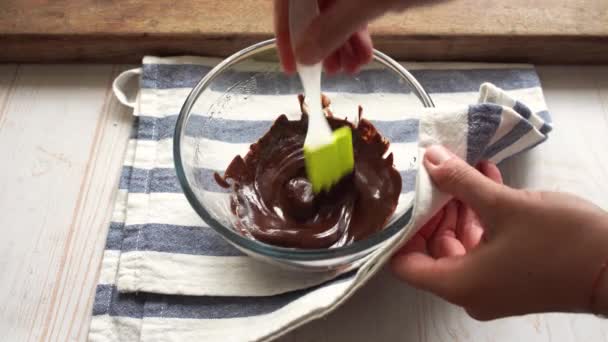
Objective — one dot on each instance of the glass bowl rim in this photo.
(259, 247)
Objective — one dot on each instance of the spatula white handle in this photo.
(301, 14)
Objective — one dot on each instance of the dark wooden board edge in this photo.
(130, 49)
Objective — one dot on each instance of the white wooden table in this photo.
(62, 138)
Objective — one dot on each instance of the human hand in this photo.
(338, 36)
(498, 252)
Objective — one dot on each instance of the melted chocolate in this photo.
(274, 202)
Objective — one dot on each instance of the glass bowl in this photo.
(235, 104)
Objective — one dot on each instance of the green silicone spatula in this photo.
(328, 155)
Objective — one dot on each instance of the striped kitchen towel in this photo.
(165, 275)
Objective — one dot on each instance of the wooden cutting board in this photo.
(537, 31)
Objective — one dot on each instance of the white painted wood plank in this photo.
(71, 316)
(8, 75)
(578, 100)
(61, 150)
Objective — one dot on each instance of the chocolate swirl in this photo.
(274, 203)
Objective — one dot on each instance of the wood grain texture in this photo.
(62, 138)
(62, 132)
(547, 31)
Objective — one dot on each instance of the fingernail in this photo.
(437, 155)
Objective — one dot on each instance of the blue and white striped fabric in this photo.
(167, 276)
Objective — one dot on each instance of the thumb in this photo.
(454, 176)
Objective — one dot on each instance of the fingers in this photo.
(362, 44)
(454, 176)
(433, 259)
(354, 53)
(332, 64)
(446, 246)
(419, 241)
(347, 58)
(444, 276)
(416, 244)
(491, 171)
(348, 48)
(338, 36)
(430, 227)
(362, 50)
(335, 26)
(468, 230)
(456, 229)
(281, 29)
(444, 242)
(443, 263)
